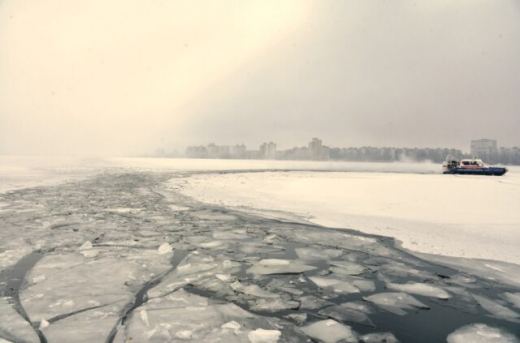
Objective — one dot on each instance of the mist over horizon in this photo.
(128, 77)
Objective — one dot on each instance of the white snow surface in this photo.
(18, 172)
(459, 216)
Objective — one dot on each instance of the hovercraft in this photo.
(470, 166)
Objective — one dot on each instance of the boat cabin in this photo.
(472, 163)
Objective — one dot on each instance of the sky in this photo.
(126, 77)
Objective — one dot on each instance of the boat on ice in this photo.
(470, 166)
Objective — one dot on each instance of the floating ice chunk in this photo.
(39, 278)
(420, 289)
(344, 314)
(347, 268)
(385, 337)
(44, 324)
(144, 317)
(87, 245)
(277, 266)
(211, 244)
(395, 302)
(223, 277)
(14, 326)
(513, 298)
(274, 305)
(358, 306)
(232, 325)
(264, 336)
(481, 333)
(299, 318)
(183, 334)
(495, 308)
(90, 253)
(311, 254)
(337, 286)
(252, 290)
(362, 284)
(270, 239)
(164, 248)
(330, 331)
(310, 302)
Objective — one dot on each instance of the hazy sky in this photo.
(125, 76)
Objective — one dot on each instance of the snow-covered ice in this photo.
(429, 213)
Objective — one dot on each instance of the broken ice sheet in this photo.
(73, 282)
(395, 302)
(496, 308)
(84, 327)
(481, 333)
(330, 331)
(171, 319)
(13, 326)
(277, 266)
(424, 289)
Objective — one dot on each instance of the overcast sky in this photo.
(119, 77)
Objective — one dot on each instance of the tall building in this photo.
(484, 148)
(268, 150)
(318, 151)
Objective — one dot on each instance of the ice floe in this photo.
(278, 266)
(481, 333)
(496, 308)
(330, 331)
(164, 248)
(264, 336)
(13, 326)
(424, 289)
(396, 302)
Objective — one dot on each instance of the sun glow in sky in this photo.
(105, 76)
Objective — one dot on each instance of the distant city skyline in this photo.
(486, 149)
